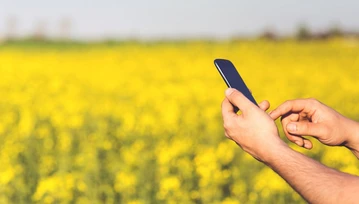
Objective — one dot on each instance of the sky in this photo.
(174, 19)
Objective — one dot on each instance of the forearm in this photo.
(315, 182)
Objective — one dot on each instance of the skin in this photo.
(309, 117)
(255, 132)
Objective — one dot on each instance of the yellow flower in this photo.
(137, 123)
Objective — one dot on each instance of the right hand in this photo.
(309, 117)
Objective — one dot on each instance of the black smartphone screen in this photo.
(232, 78)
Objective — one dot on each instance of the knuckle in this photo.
(284, 122)
(235, 95)
(313, 101)
(251, 108)
(303, 127)
(287, 102)
(285, 119)
(303, 116)
(293, 117)
(234, 92)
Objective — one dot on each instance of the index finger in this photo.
(298, 105)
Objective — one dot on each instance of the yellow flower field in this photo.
(141, 122)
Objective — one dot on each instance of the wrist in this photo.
(352, 141)
(274, 152)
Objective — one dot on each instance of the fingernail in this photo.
(292, 127)
(229, 91)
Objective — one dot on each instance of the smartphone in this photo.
(232, 78)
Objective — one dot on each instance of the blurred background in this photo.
(142, 20)
(119, 101)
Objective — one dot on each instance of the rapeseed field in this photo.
(141, 122)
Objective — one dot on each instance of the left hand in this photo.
(253, 130)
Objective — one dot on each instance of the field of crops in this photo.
(141, 122)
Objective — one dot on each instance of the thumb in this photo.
(238, 99)
(306, 128)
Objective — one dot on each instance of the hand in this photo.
(309, 117)
(253, 130)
